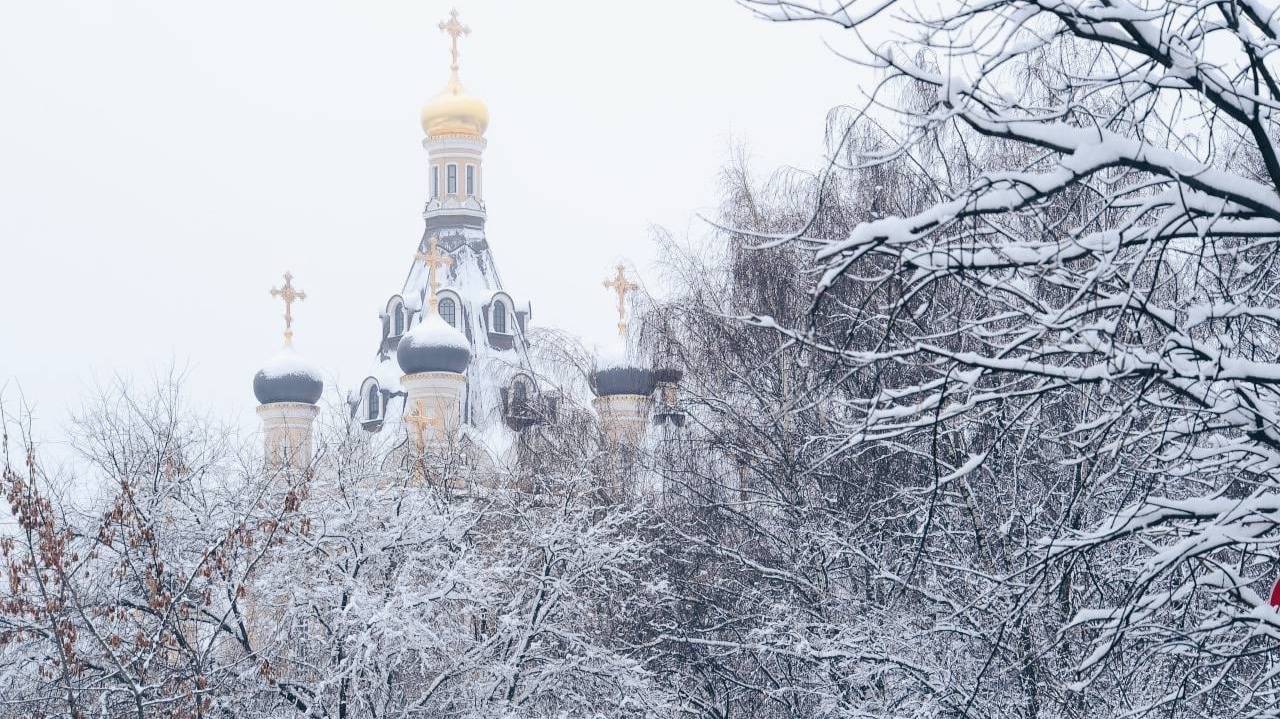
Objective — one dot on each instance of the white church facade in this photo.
(452, 364)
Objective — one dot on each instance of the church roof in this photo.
(497, 344)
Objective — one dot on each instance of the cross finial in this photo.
(422, 422)
(455, 30)
(289, 294)
(434, 259)
(622, 286)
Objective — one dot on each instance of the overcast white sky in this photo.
(163, 161)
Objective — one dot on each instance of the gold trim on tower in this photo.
(434, 259)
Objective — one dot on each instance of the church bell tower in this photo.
(452, 359)
(454, 123)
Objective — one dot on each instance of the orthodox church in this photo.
(452, 365)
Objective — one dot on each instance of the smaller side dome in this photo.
(615, 374)
(433, 345)
(288, 377)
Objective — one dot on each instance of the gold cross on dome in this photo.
(455, 30)
(622, 286)
(421, 422)
(289, 294)
(434, 259)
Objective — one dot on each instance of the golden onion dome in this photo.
(454, 112)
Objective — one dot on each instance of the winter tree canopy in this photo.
(982, 419)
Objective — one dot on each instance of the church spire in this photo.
(287, 388)
(454, 113)
(621, 384)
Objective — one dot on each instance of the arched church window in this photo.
(448, 311)
(372, 402)
(519, 394)
(398, 321)
(435, 182)
(471, 180)
(499, 317)
(452, 180)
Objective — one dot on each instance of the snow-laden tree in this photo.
(101, 610)
(403, 601)
(198, 582)
(1083, 316)
(799, 589)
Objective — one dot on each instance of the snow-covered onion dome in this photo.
(288, 377)
(433, 346)
(616, 374)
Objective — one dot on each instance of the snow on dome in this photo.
(287, 377)
(433, 345)
(616, 373)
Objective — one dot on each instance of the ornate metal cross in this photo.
(455, 30)
(290, 295)
(622, 286)
(433, 259)
(421, 422)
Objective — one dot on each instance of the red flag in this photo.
(1275, 594)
